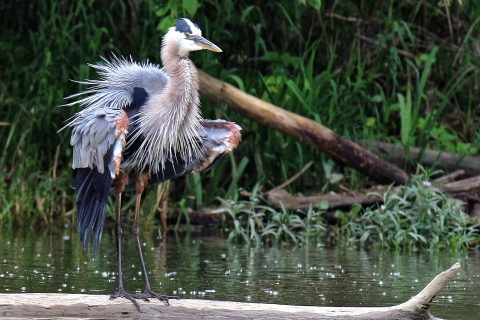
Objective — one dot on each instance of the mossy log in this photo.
(23, 305)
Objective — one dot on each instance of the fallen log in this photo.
(465, 190)
(306, 130)
(279, 197)
(461, 186)
(448, 161)
(42, 305)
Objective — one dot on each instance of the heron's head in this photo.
(187, 37)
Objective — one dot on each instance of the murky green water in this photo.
(204, 266)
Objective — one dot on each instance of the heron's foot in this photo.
(149, 294)
(121, 293)
(146, 296)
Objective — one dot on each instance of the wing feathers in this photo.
(219, 137)
(93, 136)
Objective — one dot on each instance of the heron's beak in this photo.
(205, 44)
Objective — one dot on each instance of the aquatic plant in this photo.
(251, 221)
(416, 217)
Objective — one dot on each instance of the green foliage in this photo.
(367, 70)
(414, 217)
(250, 221)
(442, 139)
(244, 217)
(286, 226)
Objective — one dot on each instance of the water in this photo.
(204, 266)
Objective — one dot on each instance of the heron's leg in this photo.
(140, 183)
(118, 230)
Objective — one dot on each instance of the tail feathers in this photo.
(92, 196)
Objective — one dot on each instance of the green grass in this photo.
(300, 58)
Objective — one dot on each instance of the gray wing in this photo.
(95, 128)
(94, 134)
(98, 140)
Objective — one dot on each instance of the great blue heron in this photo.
(141, 124)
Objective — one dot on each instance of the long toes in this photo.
(146, 296)
(161, 297)
(128, 296)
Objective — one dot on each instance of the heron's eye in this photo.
(187, 34)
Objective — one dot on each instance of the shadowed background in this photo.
(383, 70)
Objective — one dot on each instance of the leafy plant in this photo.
(251, 221)
(413, 217)
(282, 226)
(245, 217)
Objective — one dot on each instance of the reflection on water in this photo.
(204, 266)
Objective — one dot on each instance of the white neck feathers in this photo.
(170, 120)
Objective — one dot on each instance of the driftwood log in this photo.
(447, 161)
(43, 305)
(306, 130)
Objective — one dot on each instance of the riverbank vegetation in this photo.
(415, 217)
(395, 71)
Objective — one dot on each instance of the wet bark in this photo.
(23, 305)
(306, 130)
